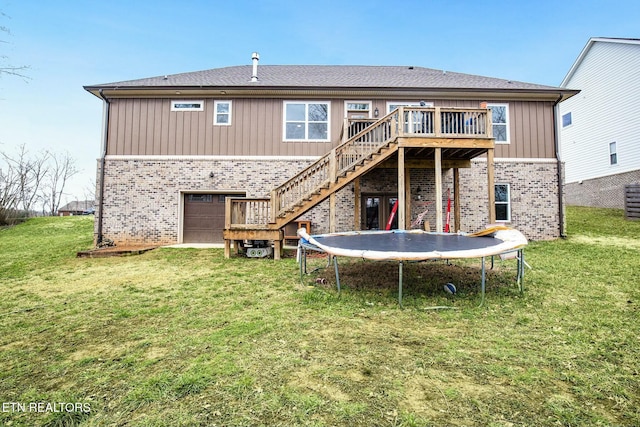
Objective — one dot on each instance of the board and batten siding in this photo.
(606, 110)
(147, 126)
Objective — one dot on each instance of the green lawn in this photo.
(183, 337)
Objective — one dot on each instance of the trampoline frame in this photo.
(515, 244)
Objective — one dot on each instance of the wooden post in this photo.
(277, 249)
(456, 199)
(275, 204)
(227, 248)
(437, 123)
(332, 213)
(491, 186)
(407, 197)
(333, 167)
(345, 130)
(438, 181)
(394, 127)
(401, 191)
(400, 121)
(356, 204)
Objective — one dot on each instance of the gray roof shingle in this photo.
(324, 76)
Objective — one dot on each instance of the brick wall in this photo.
(142, 197)
(534, 196)
(604, 192)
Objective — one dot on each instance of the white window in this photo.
(566, 120)
(500, 117)
(503, 202)
(306, 121)
(613, 153)
(392, 105)
(187, 105)
(357, 109)
(222, 115)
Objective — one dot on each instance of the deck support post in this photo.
(438, 181)
(456, 199)
(401, 214)
(356, 204)
(332, 213)
(407, 197)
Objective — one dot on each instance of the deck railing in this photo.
(242, 212)
(362, 138)
(445, 122)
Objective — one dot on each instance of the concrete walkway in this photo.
(196, 245)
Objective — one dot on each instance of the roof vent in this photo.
(255, 58)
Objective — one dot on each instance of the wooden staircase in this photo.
(367, 147)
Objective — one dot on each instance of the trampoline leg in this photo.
(521, 269)
(300, 265)
(335, 265)
(482, 285)
(400, 283)
(303, 261)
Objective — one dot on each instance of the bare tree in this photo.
(8, 194)
(29, 173)
(26, 179)
(62, 167)
(6, 68)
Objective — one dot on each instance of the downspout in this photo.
(105, 139)
(556, 142)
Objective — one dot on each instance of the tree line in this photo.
(32, 183)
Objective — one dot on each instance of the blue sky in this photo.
(68, 44)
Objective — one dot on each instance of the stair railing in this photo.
(325, 171)
(362, 141)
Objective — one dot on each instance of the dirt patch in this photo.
(115, 251)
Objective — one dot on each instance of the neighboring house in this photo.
(599, 128)
(84, 207)
(333, 145)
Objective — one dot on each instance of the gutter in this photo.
(556, 142)
(105, 140)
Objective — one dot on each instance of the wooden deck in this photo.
(435, 136)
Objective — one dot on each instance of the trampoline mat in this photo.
(407, 242)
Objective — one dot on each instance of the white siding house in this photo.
(600, 127)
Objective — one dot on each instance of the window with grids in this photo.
(306, 121)
(500, 122)
(503, 202)
(613, 153)
(222, 113)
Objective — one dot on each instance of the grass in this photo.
(184, 337)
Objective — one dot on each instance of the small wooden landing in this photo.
(238, 235)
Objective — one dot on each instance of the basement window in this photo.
(222, 113)
(503, 203)
(187, 105)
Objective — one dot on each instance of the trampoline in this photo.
(417, 245)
